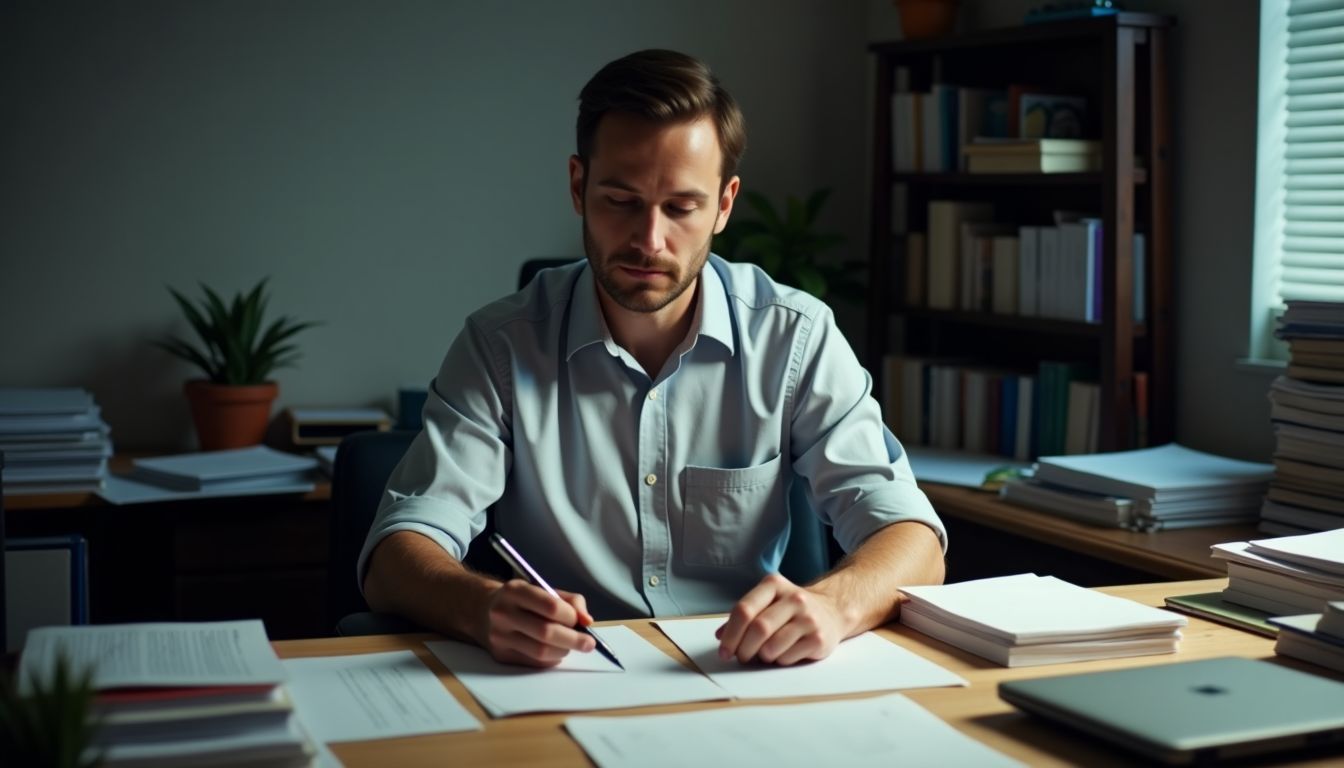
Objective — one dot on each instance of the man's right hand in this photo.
(525, 625)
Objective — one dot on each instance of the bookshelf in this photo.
(1119, 64)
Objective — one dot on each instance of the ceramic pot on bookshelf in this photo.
(924, 19)
(229, 416)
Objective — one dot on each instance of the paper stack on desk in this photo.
(235, 472)
(54, 440)
(178, 694)
(1285, 576)
(1026, 620)
(1169, 486)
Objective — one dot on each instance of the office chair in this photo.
(531, 267)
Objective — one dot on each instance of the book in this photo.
(1304, 637)
(1332, 620)
(1005, 291)
(1164, 473)
(1212, 606)
(916, 265)
(1315, 373)
(1027, 619)
(1033, 156)
(944, 239)
(234, 468)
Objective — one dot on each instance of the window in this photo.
(1299, 227)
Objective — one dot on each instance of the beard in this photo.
(641, 296)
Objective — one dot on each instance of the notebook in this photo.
(1192, 711)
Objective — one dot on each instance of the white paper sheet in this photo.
(122, 655)
(373, 696)
(650, 677)
(880, 731)
(956, 467)
(863, 663)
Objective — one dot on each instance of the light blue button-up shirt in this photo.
(650, 496)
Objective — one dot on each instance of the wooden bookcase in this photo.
(1119, 64)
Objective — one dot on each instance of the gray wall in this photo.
(391, 168)
(389, 165)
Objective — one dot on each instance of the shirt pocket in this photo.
(732, 515)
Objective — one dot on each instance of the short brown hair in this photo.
(666, 87)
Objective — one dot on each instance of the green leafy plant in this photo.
(234, 348)
(785, 245)
(53, 726)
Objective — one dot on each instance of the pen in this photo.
(526, 571)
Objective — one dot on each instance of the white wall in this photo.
(389, 165)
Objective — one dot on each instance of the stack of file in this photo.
(54, 441)
(1314, 637)
(1307, 408)
(1169, 486)
(1285, 576)
(1027, 620)
(179, 694)
(228, 470)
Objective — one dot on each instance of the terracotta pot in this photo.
(230, 416)
(922, 19)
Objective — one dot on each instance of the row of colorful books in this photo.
(951, 128)
(1307, 411)
(969, 261)
(951, 405)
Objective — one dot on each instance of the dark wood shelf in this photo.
(1030, 34)
(1043, 325)
(1120, 66)
(1010, 179)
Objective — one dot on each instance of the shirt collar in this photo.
(587, 325)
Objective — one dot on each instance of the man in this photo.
(633, 421)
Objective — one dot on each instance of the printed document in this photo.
(650, 677)
(880, 731)
(863, 663)
(163, 654)
(373, 696)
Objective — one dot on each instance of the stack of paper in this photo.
(1169, 486)
(1314, 637)
(1026, 620)
(235, 472)
(179, 694)
(54, 441)
(1307, 493)
(1285, 576)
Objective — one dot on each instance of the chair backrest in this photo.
(531, 267)
(364, 462)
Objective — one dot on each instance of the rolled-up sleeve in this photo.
(456, 467)
(857, 475)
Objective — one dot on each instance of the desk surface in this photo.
(1176, 554)
(975, 710)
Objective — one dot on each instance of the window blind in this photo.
(1311, 263)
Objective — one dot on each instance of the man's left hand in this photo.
(779, 622)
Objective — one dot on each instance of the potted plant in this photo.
(231, 406)
(53, 724)
(785, 245)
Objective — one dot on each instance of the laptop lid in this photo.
(1194, 710)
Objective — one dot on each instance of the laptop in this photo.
(1192, 711)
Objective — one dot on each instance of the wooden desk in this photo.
(976, 710)
(1152, 556)
(203, 559)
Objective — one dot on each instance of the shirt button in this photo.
(653, 581)
(650, 479)
(653, 394)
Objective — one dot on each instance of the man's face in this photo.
(650, 204)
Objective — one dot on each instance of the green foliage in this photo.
(784, 244)
(234, 348)
(53, 726)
